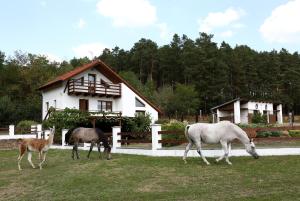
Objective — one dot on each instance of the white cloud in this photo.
(90, 50)
(226, 34)
(52, 57)
(128, 13)
(164, 31)
(81, 23)
(214, 20)
(283, 26)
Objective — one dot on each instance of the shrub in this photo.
(174, 125)
(294, 133)
(72, 118)
(25, 125)
(262, 134)
(276, 133)
(259, 118)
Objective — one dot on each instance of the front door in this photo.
(83, 104)
(92, 83)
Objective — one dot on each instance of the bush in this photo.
(263, 134)
(137, 124)
(259, 118)
(294, 133)
(25, 125)
(72, 118)
(174, 125)
(276, 133)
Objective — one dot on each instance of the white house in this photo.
(95, 87)
(241, 111)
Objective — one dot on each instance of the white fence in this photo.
(157, 149)
(35, 132)
(156, 146)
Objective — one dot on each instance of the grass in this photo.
(129, 177)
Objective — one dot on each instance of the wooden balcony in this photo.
(88, 88)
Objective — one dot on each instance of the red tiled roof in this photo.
(105, 70)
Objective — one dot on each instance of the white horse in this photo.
(223, 132)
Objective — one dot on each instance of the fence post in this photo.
(63, 137)
(116, 137)
(11, 130)
(155, 136)
(39, 131)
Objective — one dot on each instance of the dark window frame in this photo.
(108, 106)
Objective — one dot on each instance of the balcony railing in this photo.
(79, 87)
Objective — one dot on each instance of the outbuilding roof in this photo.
(105, 70)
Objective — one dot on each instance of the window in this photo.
(54, 103)
(105, 106)
(139, 113)
(80, 81)
(47, 106)
(139, 103)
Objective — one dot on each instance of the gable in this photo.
(104, 70)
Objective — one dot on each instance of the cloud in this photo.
(217, 20)
(128, 13)
(89, 50)
(164, 31)
(226, 34)
(81, 23)
(283, 26)
(52, 58)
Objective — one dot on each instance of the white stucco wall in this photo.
(124, 104)
(127, 104)
(244, 116)
(261, 107)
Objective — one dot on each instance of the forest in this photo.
(181, 77)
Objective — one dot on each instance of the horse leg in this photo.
(29, 159)
(73, 151)
(91, 148)
(227, 154)
(224, 146)
(187, 148)
(99, 150)
(22, 153)
(76, 149)
(198, 145)
(44, 158)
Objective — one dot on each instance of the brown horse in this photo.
(89, 135)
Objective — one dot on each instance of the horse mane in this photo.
(68, 139)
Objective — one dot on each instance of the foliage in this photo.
(174, 125)
(137, 125)
(258, 125)
(259, 118)
(263, 134)
(214, 73)
(25, 125)
(68, 118)
(294, 133)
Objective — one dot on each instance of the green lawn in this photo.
(129, 177)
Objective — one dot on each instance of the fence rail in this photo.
(4, 129)
(134, 134)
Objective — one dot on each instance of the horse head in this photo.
(250, 148)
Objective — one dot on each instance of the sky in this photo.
(63, 29)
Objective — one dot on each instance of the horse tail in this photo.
(186, 132)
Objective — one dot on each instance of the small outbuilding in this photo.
(241, 110)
